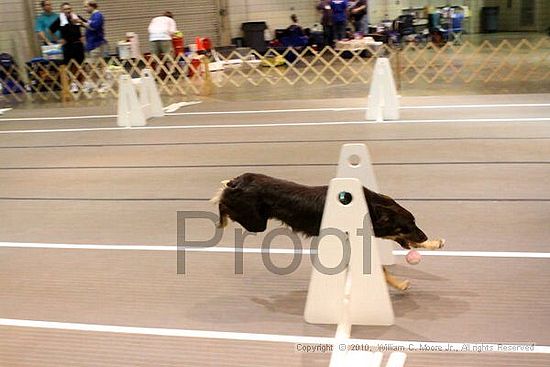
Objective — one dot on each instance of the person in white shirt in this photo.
(161, 30)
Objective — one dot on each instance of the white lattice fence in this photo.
(451, 64)
(486, 63)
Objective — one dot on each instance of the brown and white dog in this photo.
(252, 199)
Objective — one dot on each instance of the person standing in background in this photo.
(161, 30)
(43, 23)
(95, 31)
(326, 21)
(68, 24)
(339, 17)
(95, 44)
(358, 11)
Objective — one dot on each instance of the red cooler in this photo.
(178, 45)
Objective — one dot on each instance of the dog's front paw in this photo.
(436, 244)
(432, 244)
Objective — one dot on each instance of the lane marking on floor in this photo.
(390, 345)
(289, 124)
(340, 109)
(258, 250)
(291, 110)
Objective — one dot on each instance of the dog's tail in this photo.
(216, 200)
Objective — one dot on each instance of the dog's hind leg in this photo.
(395, 282)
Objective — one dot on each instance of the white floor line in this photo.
(257, 250)
(218, 249)
(497, 105)
(289, 124)
(257, 112)
(292, 110)
(338, 109)
(408, 345)
(509, 254)
(86, 117)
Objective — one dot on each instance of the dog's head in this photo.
(391, 221)
(240, 201)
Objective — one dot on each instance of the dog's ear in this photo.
(382, 216)
(391, 220)
(377, 212)
(381, 207)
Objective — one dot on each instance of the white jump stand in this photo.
(355, 162)
(358, 294)
(383, 102)
(134, 111)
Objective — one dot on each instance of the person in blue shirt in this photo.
(339, 17)
(43, 23)
(96, 44)
(95, 31)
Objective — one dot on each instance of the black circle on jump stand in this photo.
(345, 197)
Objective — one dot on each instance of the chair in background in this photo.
(402, 28)
(454, 30)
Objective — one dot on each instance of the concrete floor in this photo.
(476, 175)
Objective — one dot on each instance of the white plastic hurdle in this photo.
(352, 296)
(357, 295)
(355, 161)
(383, 102)
(134, 111)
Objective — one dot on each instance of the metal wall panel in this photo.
(194, 18)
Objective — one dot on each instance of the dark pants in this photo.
(359, 26)
(340, 30)
(73, 51)
(328, 36)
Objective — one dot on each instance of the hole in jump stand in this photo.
(354, 160)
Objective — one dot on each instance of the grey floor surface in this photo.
(477, 176)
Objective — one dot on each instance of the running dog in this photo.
(252, 199)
